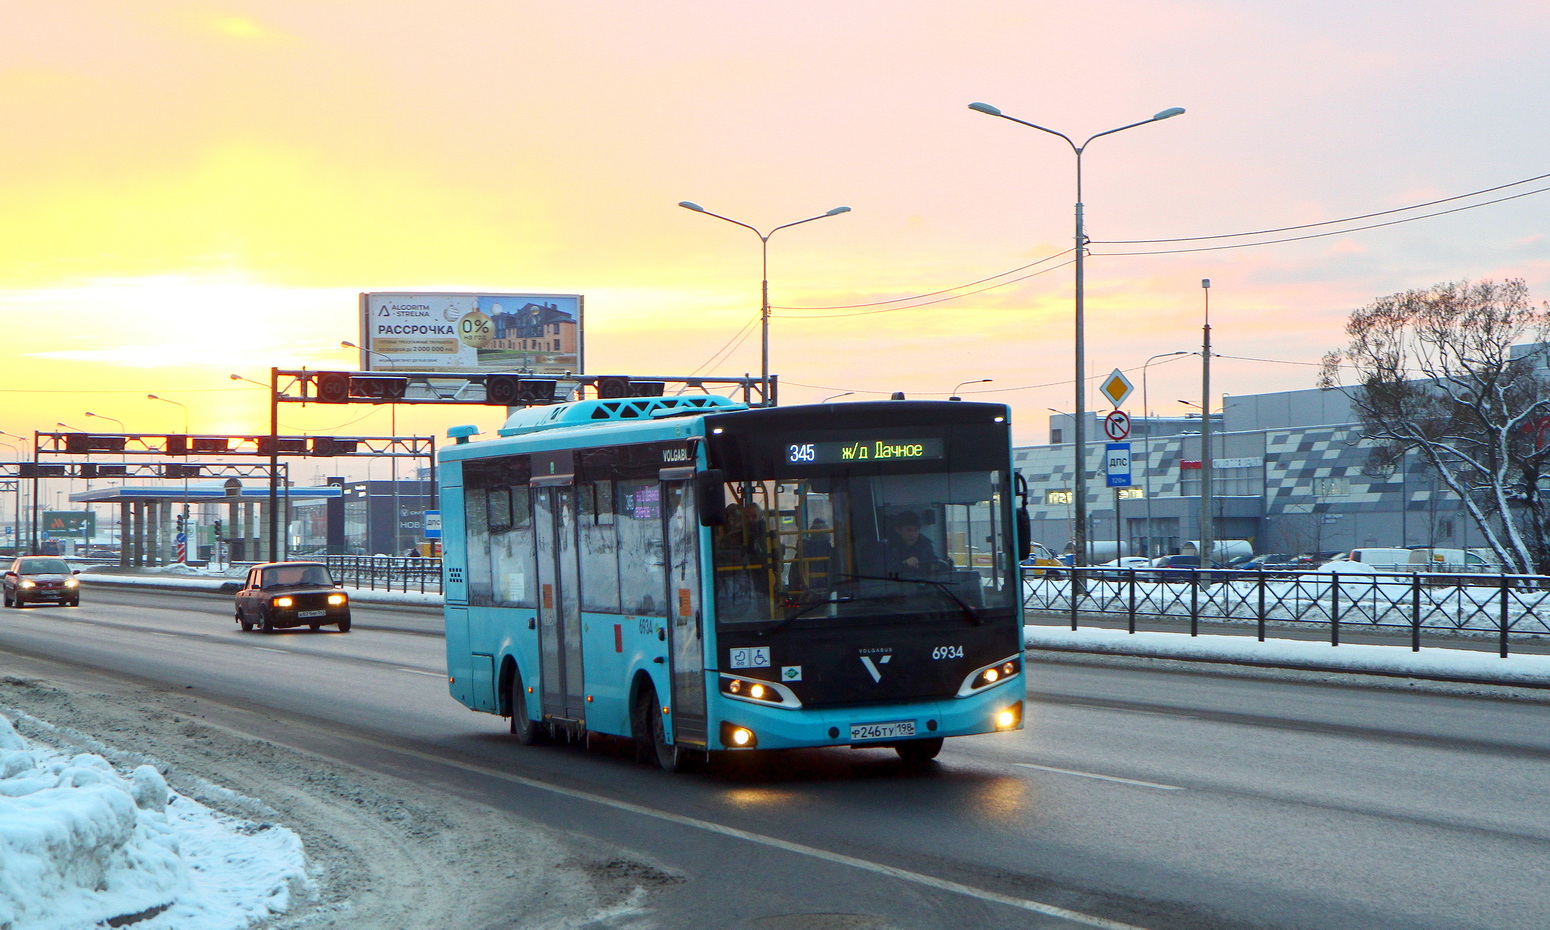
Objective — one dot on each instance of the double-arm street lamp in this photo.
(764, 288)
(1080, 435)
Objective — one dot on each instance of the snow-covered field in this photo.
(82, 844)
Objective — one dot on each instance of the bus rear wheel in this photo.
(918, 751)
(524, 729)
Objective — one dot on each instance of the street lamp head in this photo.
(985, 108)
(691, 205)
(343, 344)
(837, 211)
(152, 397)
(1169, 113)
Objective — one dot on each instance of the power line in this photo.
(895, 300)
(927, 303)
(1349, 219)
(1337, 232)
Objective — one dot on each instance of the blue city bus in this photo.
(703, 577)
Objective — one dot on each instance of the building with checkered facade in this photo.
(1290, 472)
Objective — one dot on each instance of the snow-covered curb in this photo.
(1439, 664)
(82, 845)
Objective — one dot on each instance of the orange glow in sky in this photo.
(191, 189)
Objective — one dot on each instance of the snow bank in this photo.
(81, 844)
(1444, 664)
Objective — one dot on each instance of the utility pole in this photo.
(1206, 543)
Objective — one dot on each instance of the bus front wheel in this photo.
(651, 734)
(523, 728)
(918, 751)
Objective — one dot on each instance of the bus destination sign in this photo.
(864, 450)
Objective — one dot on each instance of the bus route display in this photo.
(864, 450)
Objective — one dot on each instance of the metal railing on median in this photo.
(386, 573)
(1507, 608)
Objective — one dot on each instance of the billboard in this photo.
(81, 524)
(471, 333)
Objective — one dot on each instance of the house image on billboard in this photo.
(536, 327)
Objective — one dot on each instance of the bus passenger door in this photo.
(559, 613)
(683, 580)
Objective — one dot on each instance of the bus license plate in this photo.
(882, 730)
(304, 614)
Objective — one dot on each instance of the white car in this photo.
(1117, 568)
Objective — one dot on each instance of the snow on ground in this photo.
(1445, 664)
(82, 844)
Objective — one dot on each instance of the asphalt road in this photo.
(1133, 797)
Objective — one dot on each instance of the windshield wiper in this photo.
(969, 613)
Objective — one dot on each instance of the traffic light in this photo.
(217, 527)
(182, 522)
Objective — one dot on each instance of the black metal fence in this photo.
(1507, 608)
(386, 573)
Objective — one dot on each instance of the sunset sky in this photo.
(189, 190)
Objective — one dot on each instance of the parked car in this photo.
(1039, 562)
(278, 595)
(1175, 569)
(1118, 568)
(40, 579)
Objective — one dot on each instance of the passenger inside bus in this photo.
(741, 563)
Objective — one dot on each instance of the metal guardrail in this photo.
(1504, 607)
(386, 573)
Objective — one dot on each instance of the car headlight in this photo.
(283, 602)
(337, 600)
(29, 583)
(72, 582)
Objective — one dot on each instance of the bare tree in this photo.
(1436, 374)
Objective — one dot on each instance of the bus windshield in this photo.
(841, 547)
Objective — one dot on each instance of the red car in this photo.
(40, 579)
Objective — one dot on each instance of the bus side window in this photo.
(476, 516)
(513, 572)
(599, 547)
(642, 566)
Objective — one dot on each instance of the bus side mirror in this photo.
(1024, 533)
(709, 498)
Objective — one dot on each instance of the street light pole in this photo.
(1206, 544)
(764, 287)
(18, 540)
(954, 395)
(1146, 418)
(1080, 430)
(393, 550)
(186, 441)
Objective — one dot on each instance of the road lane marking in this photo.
(930, 881)
(283, 652)
(1123, 781)
(418, 671)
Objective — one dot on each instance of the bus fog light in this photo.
(756, 691)
(736, 737)
(1009, 718)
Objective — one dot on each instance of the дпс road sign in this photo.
(1117, 464)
